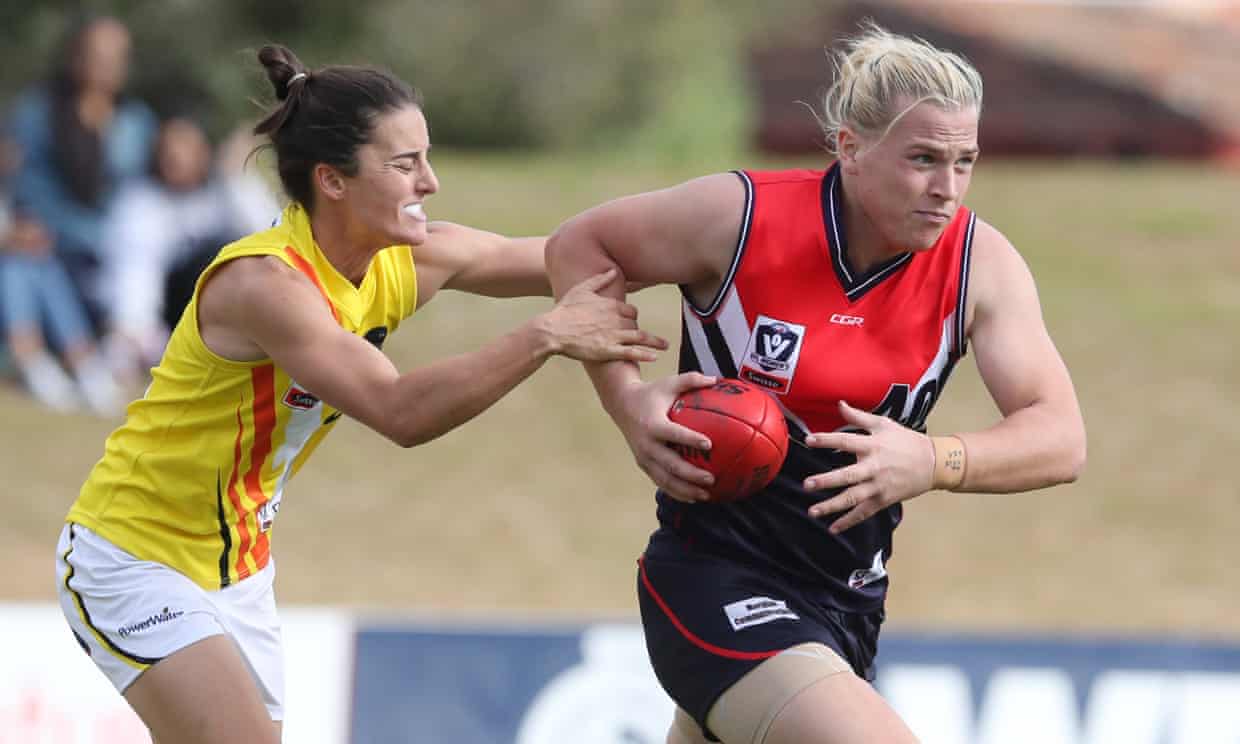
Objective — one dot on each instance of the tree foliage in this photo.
(495, 73)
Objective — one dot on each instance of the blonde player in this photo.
(165, 569)
(850, 293)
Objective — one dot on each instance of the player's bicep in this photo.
(291, 322)
(1016, 358)
(681, 235)
(480, 262)
(504, 267)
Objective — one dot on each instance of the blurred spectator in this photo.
(36, 294)
(165, 228)
(80, 137)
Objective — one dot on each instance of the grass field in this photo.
(536, 506)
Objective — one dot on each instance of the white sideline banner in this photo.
(51, 692)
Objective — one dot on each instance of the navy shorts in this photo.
(709, 620)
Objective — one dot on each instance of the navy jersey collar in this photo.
(855, 284)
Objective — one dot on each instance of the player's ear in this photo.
(848, 145)
(328, 181)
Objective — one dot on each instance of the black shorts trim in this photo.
(90, 624)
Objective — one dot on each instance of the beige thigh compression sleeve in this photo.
(744, 713)
(685, 730)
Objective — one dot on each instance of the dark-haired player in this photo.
(164, 564)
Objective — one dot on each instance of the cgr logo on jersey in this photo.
(771, 357)
(847, 320)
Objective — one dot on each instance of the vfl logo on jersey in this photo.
(299, 399)
(771, 357)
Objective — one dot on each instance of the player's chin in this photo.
(415, 235)
(923, 239)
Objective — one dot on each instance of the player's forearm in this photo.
(1034, 447)
(435, 399)
(574, 252)
(610, 380)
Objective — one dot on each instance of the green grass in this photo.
(537, 507)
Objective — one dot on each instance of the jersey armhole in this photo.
(962, 293)
(741, 239)
(409, 289)
(198, 346)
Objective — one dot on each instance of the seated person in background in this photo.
(80, 138)
(36, 294)
(162, 231)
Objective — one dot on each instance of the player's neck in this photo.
(348, 250)
(866, 246)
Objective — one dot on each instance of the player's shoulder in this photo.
(450, 236)
(990, 246)
(449, 250)
(251, 279)
(996, 269)
(790, 176)
(450, 244)
(273, 239)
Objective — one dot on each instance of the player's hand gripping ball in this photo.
(747, 431)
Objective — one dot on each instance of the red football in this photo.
(748, 436)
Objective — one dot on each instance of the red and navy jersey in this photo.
(794, 317)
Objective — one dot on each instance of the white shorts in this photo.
(127, 613)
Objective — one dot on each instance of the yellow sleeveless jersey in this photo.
(194, 477)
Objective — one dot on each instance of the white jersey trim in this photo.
(962, 299)
(741, 239)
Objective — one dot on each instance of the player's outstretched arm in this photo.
(479, 262)
(259, 307)
(683, 235)
(484, 263)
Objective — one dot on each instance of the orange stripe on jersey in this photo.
(243, 533)
(306, 268)
(264, 424)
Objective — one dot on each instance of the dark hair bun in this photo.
(281, 66)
